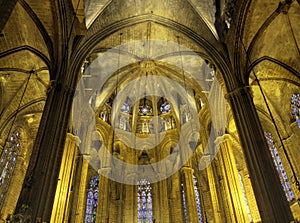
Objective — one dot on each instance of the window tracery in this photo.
(92, 199)
(295, 107)
(286, 186)
(165, 107)
(145, 110)
(245, 198)
(144, 201)
(197, 200)
(125, 107)
(8, 162)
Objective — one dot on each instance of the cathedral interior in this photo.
(150, 111)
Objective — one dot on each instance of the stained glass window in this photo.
(184, 204)
(92, 199)
(145, 110)
(245, 198)
(197, 199)
(295, 106)
(165, 107)
(8, 162)
(144, 201)
(279, 167)
(125, 108)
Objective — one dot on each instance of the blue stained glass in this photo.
(197, 199)
(165, 107)
(144, 199)
(125, 107)
(184, 204)
(295, 107)
(92, 200)
(8, 162)
(279, 167)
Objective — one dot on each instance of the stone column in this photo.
(213, 193)
(102, 215)
(42, 175)
(189, 192)
(80, 204)
(270, 197)
(163, 201)
(175, 204)
(65, 180)
(130, 205)
(233, 191)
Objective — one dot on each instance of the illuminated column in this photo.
(175, 204)
(269, 195)
(189, 193)
(163, 201)
(102, 215)
(60, 209)
(213, 193)
(233, 190)
(82, 191)
(130, 205)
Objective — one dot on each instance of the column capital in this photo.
(74, 138)
(221, 139)
(186, 169)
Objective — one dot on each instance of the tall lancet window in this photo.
(144, 201)
(295, 106)
(197, 200)
(8, 162)
(245, 197)
(279, 167)
(92, 199)
(184, 204)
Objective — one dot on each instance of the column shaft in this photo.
(234, 194)
(62, 196)
(41, 179)
(189, 192)
(270, 197)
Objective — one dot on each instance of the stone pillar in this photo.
(233, 191)
(102, 215)
(213, 193)
(163, 201)
(80, 204)
(189, 192)
(270, 197)
(130, 201)
(175, 204)
(60, 209)
(42, 175)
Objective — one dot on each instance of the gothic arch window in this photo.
(197, 199)
(144, 201)
(165, 107)
(184, 204)
(279, 167)
(245, 197)
(92, 199)
(197, 196)
(8, 162)
(295, 107)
